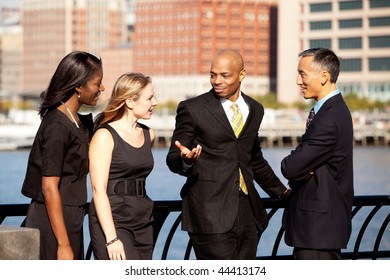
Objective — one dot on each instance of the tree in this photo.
(356, 103)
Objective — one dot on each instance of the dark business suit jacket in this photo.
(319, 213)
(211, 192)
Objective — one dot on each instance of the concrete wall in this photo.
(18, 243)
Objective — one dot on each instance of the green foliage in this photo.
(304, 106)
(356, 103)
(269, 101)
(169, 107)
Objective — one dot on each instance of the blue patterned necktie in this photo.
(237, 124)
(310, 118)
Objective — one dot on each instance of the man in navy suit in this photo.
(320, 169)
(222, 219)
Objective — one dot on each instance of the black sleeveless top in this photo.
(129, 162)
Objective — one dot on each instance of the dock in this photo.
(290, 136)
(284, 130)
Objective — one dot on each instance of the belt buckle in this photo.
(139, 187)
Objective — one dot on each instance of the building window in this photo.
(379, 3)
(320, 25)
(379, 21)
(320, 7)
(379, 42)
(349, 88)
(351, 65)
(379, 90)
(350, 43)
(350, 23)
(379, 64)
(320, 43)
(350, 5)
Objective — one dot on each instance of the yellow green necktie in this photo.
(237, 124)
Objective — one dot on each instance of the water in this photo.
(371, 175)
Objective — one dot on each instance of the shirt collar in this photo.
(319, 104)
(226, 103)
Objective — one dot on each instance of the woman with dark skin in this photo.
(58, 161)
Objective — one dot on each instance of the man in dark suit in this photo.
(221, 215)
(319, 170)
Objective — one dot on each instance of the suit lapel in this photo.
(329, 103)
(214, 106)
(324, 108)
(250, 115)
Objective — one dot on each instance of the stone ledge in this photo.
(19, 243)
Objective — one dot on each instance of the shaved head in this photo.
(226, 73)
(235, 59)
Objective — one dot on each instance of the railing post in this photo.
(18, 243)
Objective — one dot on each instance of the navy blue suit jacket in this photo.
(319, 213)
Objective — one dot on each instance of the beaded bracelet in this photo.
(112, 241)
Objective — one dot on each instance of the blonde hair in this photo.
(127, 86)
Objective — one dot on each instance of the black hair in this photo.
(74, 70)
(326, 59)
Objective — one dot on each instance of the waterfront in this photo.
(279, 128)
(371, 178)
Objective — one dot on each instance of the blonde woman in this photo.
(120, 216)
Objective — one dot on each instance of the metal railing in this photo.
(372, 212)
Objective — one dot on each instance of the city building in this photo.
(175, 41)
(11, 47)
(10, 58)
(359, 33)
(116, 61)
(9, 15)
(130, 18)
(53, 28)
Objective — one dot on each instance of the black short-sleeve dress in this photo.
(130, 206)
(59, 149)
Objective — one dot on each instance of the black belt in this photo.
(133, 187)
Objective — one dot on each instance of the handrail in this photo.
(374, 204)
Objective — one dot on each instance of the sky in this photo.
(10, 3)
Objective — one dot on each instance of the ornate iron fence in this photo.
(370, 213)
